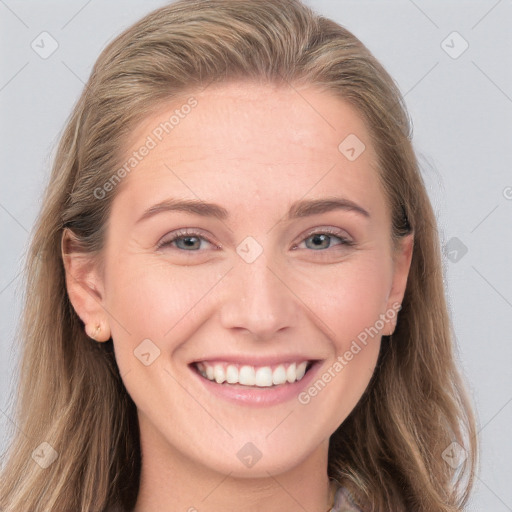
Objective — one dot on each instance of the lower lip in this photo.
(263, 396)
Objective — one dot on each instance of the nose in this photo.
(258, 299)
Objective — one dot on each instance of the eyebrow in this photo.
(298, 209)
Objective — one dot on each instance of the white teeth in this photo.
(232, 374)
(279, 375)
(264, 377)
(246, 375)
(301, 370)
(219, 374)
(291, 373)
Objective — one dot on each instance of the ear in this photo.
(85, 287)
(401, 264)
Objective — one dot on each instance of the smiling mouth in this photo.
(253, 376)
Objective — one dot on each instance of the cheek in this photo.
(350, 298)
(156, 308)
(350, 304)
(149, 299)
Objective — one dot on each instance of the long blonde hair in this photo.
(389, 451)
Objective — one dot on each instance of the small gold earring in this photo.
(96, 332)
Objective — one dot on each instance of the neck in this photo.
(172, 482)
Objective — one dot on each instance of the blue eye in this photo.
(319, 240)
(190, 241)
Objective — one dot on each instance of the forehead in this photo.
(263, 142)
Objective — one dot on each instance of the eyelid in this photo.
(171, 237)
(329, 230)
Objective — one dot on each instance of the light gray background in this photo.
(462, 114)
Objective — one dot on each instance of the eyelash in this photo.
(184, 233)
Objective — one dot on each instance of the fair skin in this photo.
(254, 150)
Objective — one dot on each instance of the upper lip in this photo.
(256, 360)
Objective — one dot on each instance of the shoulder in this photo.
(344, 501)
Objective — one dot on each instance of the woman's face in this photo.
(265, 280)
